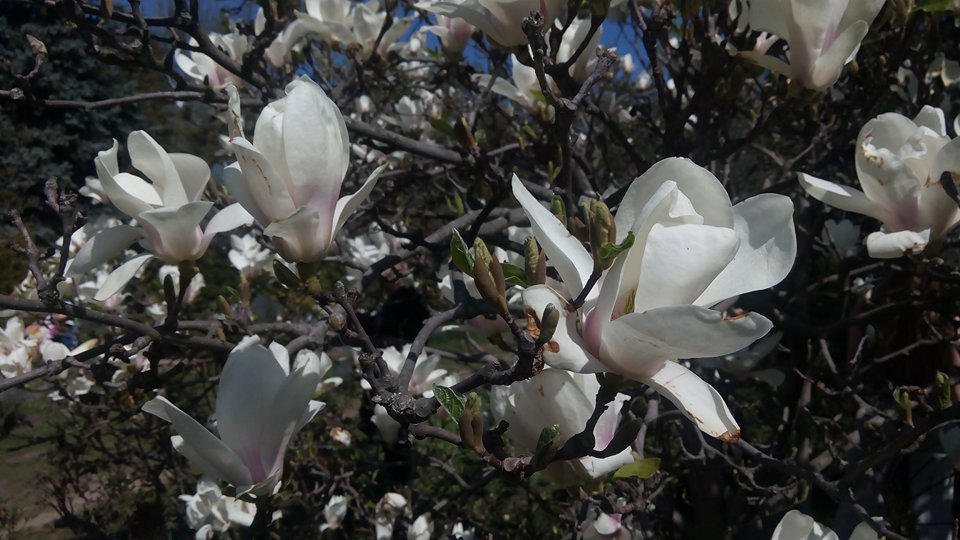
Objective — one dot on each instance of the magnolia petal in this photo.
(148, 156)
(227, 219)
(842, 197)
(766, 61)
(263, 188)
(104, 246)
(697, 400)
(315, 143)
(476, 14)
(632, 344)
(883, 175)
(504, 88)
(300, 238)
(680, 261)
(287, 410)
(705, 193)
(348, 204)
(249, 384)
(829, 66)
(233, 105)
(932, 118)
(238, 190)
(941, 212)
(767, 16)
(881, 245)
(767, 249)
(174, 235)
(796, 525)
(194, 174)
(567, 349)
(313, 407)
(130, 194)
(119, 278)
(564, 251)
(211, 450)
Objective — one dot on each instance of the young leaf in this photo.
(450, 400)
(460, 253)
(643, 468)
(514, 275)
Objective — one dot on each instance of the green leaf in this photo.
(901, 398)
(460, 253)
(450, 400)
(514, 275)
(547, 445)
(643, 468)
(609, 251)
(931, 6)
(943, 389)
(455, 205)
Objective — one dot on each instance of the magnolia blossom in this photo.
(601, 526)
(209, 511)
(525, 89)
(334, 512)
(823, 35)
(899, 164)
(421, 528)
(454, 33)
(388, 509)
(206, 70)
(499, 20)
(278, 53)
(566, 399)
(796, 525)
(290, 176)
(261, 404)
(341, 21)
(575, 35)
(691, 251)
(167, 209)
(16, 349)
(248, 256)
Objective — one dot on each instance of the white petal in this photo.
(882, 245)
(148, 156)
(106, 245)
(842, 197)
(130, 194)
(119, 278)
(796, 525)
(564, 251)
(302, 237)
(264, 193)
(828, 67)
(697, 400)
(227, 219)
(194, 174)
(566, 350)
(289, 409)
(212, 450)
(174, 235)
(768, 247)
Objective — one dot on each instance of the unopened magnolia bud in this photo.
(481, 252)
(471, 424)
(37, 46)
(547, 446)
(486, 284)
(531, 256)
(558, 209)
(549, 320)
(541, 276)
(602, 231)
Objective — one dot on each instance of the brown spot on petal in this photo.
(553, 347)
(540, 391)
(731, 438)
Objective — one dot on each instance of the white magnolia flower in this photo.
(691, 251)
(289, 177)
(421, 528)
(524, 90)
(459, 532)
(74, 382)
(454, 33)
(261, 404)
(499, 20)
(572, 38)
(899, 165)
(601, 526)
(17, 350)
(289, 39)
(340, 21)
(796, 525)
(823, 35)
(387, 510)
(248, 256)
(168, 210)
(566, 399)
(205, 70)
(334, 512)
(209, 510)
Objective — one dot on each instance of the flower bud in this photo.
(531, 256)
(549, 320)
(558, 209)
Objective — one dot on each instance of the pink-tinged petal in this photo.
(212, 451)
(316, 145)
(564, 252)
(635, 343)
(842, 197)
(130, 194)
(149, 157)
(479, 16)
(828, 67)
(567, 350)
(194, 174)
(768, 247)
(264, 189)
(697, 400)
(104, 246)
(302, 237)
(287, 410)
(119, 278)
(881, 245)
(174, 235)
(680, 261)
(705, 193)
(249, 385)
(348, 204)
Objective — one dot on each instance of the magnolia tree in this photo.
(484, 268)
